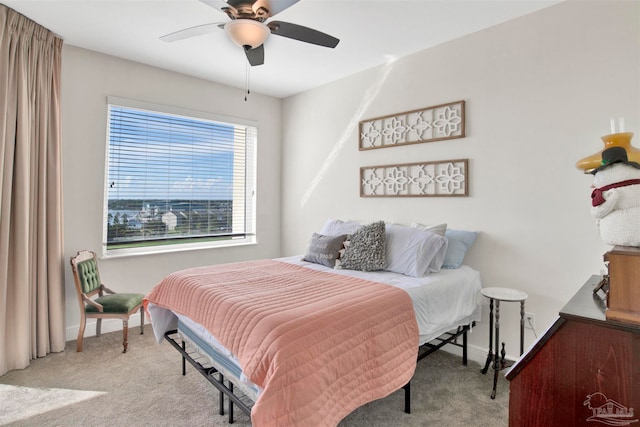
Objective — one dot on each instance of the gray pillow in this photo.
(324, 249)
(365, 249)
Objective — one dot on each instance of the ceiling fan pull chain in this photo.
(247, 81)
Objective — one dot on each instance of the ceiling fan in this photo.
(248, 27)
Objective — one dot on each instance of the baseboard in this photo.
(108, 325)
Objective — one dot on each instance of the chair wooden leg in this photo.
(125, 334)
(141, 320)
(98, 327)
(83, 323)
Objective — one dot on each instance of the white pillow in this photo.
(412, 251)
(336, 227)
(439, 229)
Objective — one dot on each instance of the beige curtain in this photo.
(32, 308)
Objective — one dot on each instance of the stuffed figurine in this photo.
(616, 198)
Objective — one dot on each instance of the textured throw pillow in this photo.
(459, 243)
(365, 249)
(439, 229)
(324, 250)
(414, 252)
(336, 227)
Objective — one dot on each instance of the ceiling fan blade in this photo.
(198, 30)
(273, 6)
(255, 56)
(304, 34)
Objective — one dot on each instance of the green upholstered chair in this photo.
(108, 304)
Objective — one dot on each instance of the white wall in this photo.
(87, 79)
(539, 92)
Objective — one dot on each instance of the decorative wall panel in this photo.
(429, 124)
(447, 178)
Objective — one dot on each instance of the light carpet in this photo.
(144, 387)
(19, 403)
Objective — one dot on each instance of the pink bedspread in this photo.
(320, 345)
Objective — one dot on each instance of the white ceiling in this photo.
(371, 32)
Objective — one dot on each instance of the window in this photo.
(176, 179)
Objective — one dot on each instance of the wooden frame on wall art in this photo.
(446, 178)
(436, 123)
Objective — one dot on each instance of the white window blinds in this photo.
(173, 179)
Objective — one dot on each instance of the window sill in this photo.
(150, 250)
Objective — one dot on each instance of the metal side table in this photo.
(496, 295)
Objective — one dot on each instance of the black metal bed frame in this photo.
(216, 378)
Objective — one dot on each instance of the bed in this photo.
(284, 363)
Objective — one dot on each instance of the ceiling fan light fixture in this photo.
(247, 32)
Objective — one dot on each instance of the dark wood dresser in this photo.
(583, 371)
